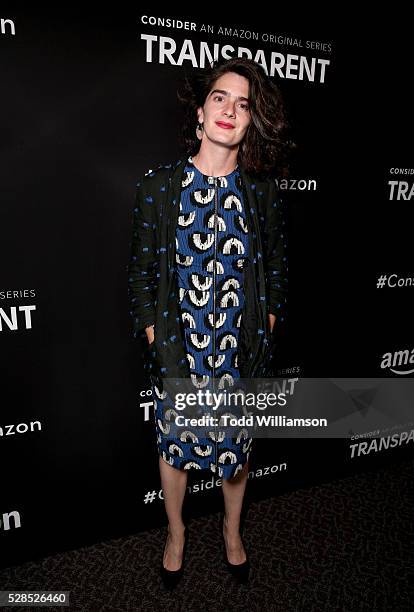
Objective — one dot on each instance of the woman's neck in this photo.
(218, 163)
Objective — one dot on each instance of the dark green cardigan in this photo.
(152, 280)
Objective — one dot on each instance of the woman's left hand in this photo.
(272, 321)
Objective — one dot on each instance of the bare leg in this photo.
(174, 483)
(233, 492)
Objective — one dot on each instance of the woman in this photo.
(207, 277)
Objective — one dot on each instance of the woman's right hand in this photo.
(150, 333)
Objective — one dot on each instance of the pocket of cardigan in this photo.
(151, 364)
(266, 368)
(149, 349)
(149, 352)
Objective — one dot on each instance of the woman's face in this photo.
(226, 114)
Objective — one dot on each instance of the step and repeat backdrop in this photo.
(89, 104)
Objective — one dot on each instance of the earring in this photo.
(199, 130)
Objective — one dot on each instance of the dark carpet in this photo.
(346, 545)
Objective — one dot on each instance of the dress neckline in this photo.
(209, 177)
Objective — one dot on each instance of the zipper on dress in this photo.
(214, 304)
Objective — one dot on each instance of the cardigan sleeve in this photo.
(143, 264)
(275, 253)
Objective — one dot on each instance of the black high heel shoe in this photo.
(239, 571)
(171, 578)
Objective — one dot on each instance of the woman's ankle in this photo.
(232, 528)
(176, 531)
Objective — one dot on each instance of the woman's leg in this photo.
(233, 492)
(174, 483)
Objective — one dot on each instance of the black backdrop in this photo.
(83, 116)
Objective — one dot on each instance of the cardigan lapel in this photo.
(174, 196)
(256, 249)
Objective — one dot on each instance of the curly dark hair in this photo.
(266, 147)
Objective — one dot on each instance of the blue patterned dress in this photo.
(211, 252)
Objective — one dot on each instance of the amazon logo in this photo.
(399, 362)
